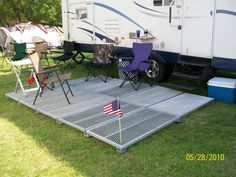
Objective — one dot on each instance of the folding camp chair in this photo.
(41, 49)
(20, 51)
(101, 63)
(68, 53)
(140, 64)
(47, 77)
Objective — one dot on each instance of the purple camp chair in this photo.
(139, 65)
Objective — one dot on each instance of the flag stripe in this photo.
(113, 108)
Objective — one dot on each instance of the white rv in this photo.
(195, 28)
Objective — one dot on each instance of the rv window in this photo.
(157, 2)
(81, 14)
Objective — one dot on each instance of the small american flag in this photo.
(113, 108)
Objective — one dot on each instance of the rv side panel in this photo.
(225, 35)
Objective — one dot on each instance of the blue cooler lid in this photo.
(222, 82)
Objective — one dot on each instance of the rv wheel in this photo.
(157, 71)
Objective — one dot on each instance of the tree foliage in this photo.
(37, 11)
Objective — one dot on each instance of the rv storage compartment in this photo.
(222, 89)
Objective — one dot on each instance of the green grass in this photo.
(34, 145)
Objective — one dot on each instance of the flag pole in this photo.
(120, 130)
(119, 122)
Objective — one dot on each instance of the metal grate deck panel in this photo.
(95, 117)
(134, 128)
(127, 89)
(151, 96)
(140, 129)
(182, 105)
(112, 127)
(145, 111)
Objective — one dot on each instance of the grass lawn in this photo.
(34, 145)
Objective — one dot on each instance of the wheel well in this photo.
(122, 52)
(157, 57)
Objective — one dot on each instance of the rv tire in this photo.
(158, 71)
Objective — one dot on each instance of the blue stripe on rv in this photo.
(148, 8)
(228, 12)
(98, 35)
(119, 13)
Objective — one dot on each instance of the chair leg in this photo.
(37, 94)
(137, 87)
(133, 84)
(88, 77)
(90, 73)
(104, 80)
(61, 84)
(69, 87)
(131, 78)
(65, 93)
(124, 80)
(107, 74)
(41, 93)
(82, 57)
(68, 63)
(147, 80)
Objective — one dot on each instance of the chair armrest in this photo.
(51, 52)
(56, 51)
(55, 67)
(26, 53)
(122, 58)
(46, 71)
(147, 62)
(126, 58)
(52, 66)
(44, 53)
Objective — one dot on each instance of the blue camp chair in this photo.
(139, 65)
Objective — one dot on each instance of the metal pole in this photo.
(120, 129)
(119, 121)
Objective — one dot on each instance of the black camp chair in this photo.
(68, 54)
(100, 66)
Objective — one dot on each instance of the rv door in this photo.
(81, 22)
(197, 28)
